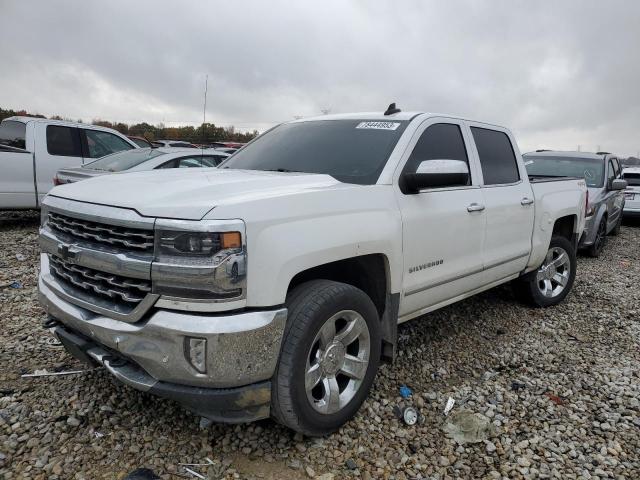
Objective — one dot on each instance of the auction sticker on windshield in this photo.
(378, 125)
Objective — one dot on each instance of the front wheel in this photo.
(601, 239)
(329, 357)
(616, 229)
(552, 281)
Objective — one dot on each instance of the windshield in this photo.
(118, 162)
(591, 169)
(351, 151)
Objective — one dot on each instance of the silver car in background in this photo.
(603, 174)
(632, 193)
(142, 159)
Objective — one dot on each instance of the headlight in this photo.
(200, 260)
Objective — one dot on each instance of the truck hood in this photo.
(189, 193)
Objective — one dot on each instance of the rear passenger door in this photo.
(58, 147)
(508, 201)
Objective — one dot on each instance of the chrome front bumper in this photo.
(241, 349)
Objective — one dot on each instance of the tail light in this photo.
(56, 181)
(588, 209)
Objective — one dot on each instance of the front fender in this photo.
(279, 252)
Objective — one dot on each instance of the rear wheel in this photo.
(329, 357)
(601, 239)
(552, 281)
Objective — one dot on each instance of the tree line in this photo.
(205, 133)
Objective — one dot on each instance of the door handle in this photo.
(526, 201)
(475, 207)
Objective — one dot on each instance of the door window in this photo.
(497, 159)
(611, 174)
(101, 143)
(440, 141)
(616, 167)
(12, 134)
(63, 141)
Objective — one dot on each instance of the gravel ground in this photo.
(555, 393)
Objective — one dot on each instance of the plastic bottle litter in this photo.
(405, 392)
(449, 406)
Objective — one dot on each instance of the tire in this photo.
(313, 307)
(616, 229)
(600, 241)
(540, 287)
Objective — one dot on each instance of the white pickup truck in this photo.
(33, 149)
(274, 284)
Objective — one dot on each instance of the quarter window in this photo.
(101, 143)
(497, 159)
(440, 141)
(12, 134)
(63, 141)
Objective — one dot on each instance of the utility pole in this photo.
(204, 109)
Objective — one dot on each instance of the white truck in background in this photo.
(33, 149)
(274, 284)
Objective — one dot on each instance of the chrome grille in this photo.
(106, 285)
(112, 235)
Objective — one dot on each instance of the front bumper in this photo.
(241, 351)
(632, 211)
(589, 232)
(229, 405)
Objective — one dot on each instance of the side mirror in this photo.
(436, 173)
(618, 184)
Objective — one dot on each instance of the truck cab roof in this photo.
(49, 121)
(570, 154)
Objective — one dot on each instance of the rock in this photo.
(351, 464)
(310, 471)
(73, 421)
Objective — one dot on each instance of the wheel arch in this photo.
(371, 274)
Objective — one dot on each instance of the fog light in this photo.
(197, 353)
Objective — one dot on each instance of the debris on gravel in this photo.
(557, 389)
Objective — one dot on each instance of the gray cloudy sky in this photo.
(558, 73)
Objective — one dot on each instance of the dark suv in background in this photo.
(603, 173)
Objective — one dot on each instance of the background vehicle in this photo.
(603, 175)
(632, 193)
(346, 225)
(33, 149)
(141, 159)
(140, 141)
(228, 150)
(174, 143)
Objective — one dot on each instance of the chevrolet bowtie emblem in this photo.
(66, 252)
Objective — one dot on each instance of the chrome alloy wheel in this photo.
(337, 361)
(552, 277)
